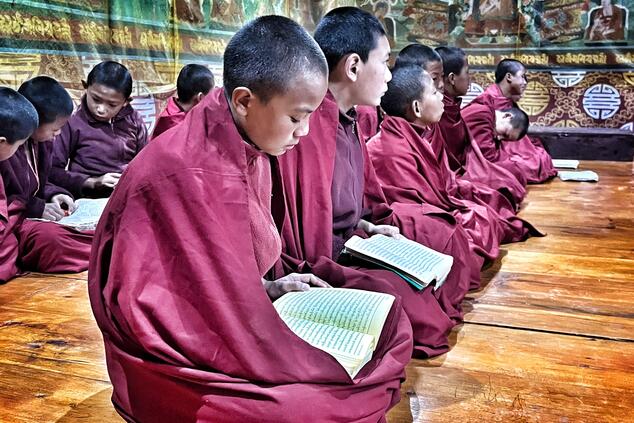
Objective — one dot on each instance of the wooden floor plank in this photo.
(29, 395)
(504, 375)
(566, 304)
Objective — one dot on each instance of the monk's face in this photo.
(7, 150)
(277, 125)
(517, 84)
(461, 81)
(104, 102)
(435, 70)
(431, 105)
(504, 129)
(48, 131)
(373, 75)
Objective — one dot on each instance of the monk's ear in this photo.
(3, 140)
(451, 79)
(417, 109)
(198, 98)
(352, 64)
(241, 99)
(84, 84)
(508, 77)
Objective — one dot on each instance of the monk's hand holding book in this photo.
(372, 229)
(53, 211)
(292, 282)
(65, 202)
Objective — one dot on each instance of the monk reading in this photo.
(177, 278)
(102, 137)
(193, 83)
(526, 157)
(43, 246)
(332, 191)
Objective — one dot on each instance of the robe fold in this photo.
(87, 147)
(35, 245)
(175, 286)
(468, 162)
(170, 117)
(526, 157)
(410, 172)
(307, 174)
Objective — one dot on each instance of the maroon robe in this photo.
(307, 231)
(170, 117)
(410, 171)
(190, 332)
(87, 147)
(34, 245)
(526, 158)
(368, 121)
(466, 159)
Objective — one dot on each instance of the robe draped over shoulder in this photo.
(468, 162)
(171, 116)
(175, 286)
(306, 226)
(526, 157)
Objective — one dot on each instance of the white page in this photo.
(581, 176)
(566, 163)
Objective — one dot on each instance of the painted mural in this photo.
(580, 53)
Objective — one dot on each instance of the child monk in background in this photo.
(178, 280)
(42, 246)
(101, 138)
(193, 83)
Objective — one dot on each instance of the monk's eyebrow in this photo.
(304, 110)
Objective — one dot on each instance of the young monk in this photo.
(475, 195)
(527, 154)
(102, 137)
(332, 191)
(41, 246)
(463, 154)
(409, 169)
(18, 120)
(193, 83)
(190, 332)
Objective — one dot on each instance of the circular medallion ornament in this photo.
(535, 99)
(601, 101)
(474, 91)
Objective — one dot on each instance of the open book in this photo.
(580, 176)
(85, 216)
(566, 163)
(417, 264)
(345, 323)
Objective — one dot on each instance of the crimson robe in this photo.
(526, 157)
(468, 162)
(307, 233)
(175, 286)
(35, 245)
(410, 171)
(172, 115)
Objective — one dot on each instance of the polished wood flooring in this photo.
(548, 338)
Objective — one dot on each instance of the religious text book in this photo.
(580, 176)
(417, 264)
(86, 215)
(345, 323)
(566, 163)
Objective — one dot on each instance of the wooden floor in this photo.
(549, 337)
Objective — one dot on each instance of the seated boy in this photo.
(18, 120)
(193, 83)
(43, 246)
(102, 136)
(178, 280)
(526, 157)
(332, 191)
